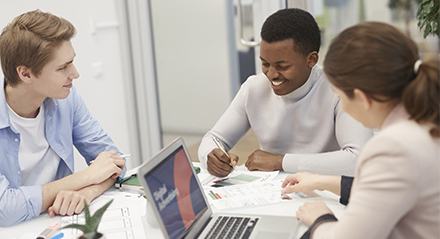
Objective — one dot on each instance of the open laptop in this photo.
(182, 210)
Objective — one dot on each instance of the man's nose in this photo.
(272, 73)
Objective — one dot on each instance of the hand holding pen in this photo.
(106, 164)
(220, 163)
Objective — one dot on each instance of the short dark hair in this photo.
(296, 24)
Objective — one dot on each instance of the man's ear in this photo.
(365, 100)
(312, 59)
(25, 74)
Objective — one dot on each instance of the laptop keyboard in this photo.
(232, 227)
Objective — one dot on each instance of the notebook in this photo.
(182, 210)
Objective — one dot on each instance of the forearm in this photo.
(330, 183)
(73, 182)
(341, 162)
(93, 191)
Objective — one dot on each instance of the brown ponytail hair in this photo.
(379, 60)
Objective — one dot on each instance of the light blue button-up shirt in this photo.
(68, 122)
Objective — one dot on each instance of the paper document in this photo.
(253, 194)
(237, 177)
(121, 220)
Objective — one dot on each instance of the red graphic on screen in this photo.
(182, 177)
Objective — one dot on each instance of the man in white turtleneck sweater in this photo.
(291, 108)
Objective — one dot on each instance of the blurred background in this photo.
(153, 70)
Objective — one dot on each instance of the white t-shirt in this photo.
(34, 149)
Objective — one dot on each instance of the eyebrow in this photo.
(67, 63)
(278, 62)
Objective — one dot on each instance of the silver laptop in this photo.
(182, 210)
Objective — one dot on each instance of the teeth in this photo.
(277, 83)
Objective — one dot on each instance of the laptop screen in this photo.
(176, 192)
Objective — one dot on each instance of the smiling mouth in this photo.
(277, 83)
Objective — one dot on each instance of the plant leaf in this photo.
(86, 211)
(84, 228)
(427, 30)
(96, 218)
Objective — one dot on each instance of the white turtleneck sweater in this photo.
(307, 126)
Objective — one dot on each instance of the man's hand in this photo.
(219, 164)
(264, 161)
(106, 165)
(310, 211)
(68, 203)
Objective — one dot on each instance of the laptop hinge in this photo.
(200, 231)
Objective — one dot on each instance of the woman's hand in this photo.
(307, 182)
(310, 211)
(301, 182)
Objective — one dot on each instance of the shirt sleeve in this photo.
(346, 183)
(320, 220)
(350, 135)
(368, 215)
(230, 128)
(18, 204)
(88, 136)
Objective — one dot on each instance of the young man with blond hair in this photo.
(42, 117)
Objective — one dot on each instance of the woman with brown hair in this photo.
(382, 83)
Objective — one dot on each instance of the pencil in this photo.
(123, 156)
(219, 145)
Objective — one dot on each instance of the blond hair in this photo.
(30, 40)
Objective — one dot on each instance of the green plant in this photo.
(428, 17)
(403, 9)
(90, 229)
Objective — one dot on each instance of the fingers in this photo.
(301, 182)
(234, 159)
(290, 189)
(221, 156)
(106, 165)
(79, 207)
(67, 203)
(291, 179)
(310, 211)
(219, 164)
(51, 212)
(120, 162)
(264, 161)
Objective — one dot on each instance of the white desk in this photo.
(34, 226)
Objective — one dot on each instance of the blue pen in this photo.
(58, 236)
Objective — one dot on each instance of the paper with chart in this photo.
(237, 177)
(251, 194)
(121, 220)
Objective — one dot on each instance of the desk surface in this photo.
(30, 228)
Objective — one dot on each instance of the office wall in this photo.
(192, 60)
(98, 60)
